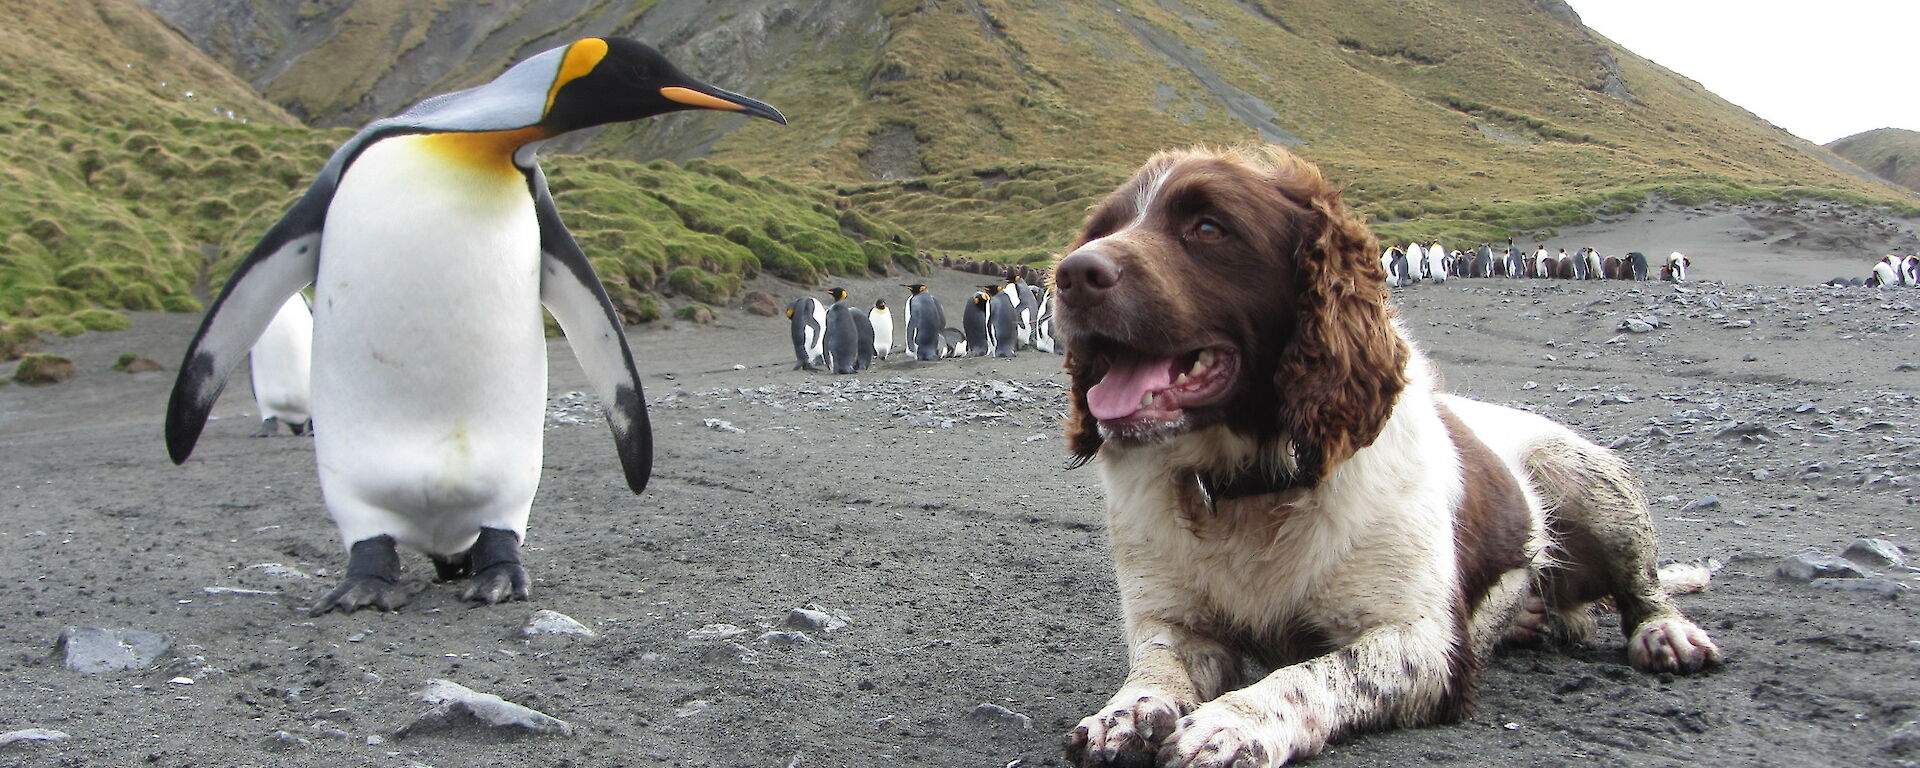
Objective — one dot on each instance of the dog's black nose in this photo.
(1087, 272)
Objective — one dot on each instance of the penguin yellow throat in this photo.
(483, 150)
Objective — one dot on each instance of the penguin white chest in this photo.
(429, 352)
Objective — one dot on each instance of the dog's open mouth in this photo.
(1140, 389)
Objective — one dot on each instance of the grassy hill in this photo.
(137, 173)
(1465, 119)
(1891, 153)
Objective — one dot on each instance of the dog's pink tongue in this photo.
(1118, 395)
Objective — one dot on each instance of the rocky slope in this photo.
(1891, 153)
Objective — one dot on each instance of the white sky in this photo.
(1822, 70)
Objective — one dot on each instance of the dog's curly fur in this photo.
(1310, 539)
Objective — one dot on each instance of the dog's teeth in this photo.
(1200, 363)
(1179, 380)
(1146, 400)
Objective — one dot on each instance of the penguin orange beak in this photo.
(723, 100)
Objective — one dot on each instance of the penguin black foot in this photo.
(301, 428)
(269, 427)
(495, 563)
(373, 580)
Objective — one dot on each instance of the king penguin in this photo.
(1003, 322)
(807, 320)
(432, 242)
(843, 335)
(279, 369)
(882, 321)
(924, 322)
(973, 325)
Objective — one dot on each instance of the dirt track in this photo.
(969, 566)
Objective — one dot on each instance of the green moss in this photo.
(696, 313)
(40, 369)
(17, 339)
(97, 319)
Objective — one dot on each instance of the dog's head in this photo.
(1228, 288)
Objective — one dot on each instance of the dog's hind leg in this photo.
(1603, 546)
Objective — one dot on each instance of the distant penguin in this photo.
(807, 321)
(843, 335)
(1596, 266)
(973, 325)
(1581, 267)
(1386, 265)
(1516, 265)
(882, 322)
(1637, 261)
(1003, 322)
(1676, 268)
(1049, 328)
(924, 323)
(1883, 275)
(1035, 306)
(1438, 262)
(279, 369)
(1483, 261)
(432, 241)
(1026, 310)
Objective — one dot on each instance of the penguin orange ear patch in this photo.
(581, 58)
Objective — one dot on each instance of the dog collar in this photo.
(1240, 485)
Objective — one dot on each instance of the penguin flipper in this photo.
(283, 262)
(572, 292)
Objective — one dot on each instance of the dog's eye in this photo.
(1208, 231)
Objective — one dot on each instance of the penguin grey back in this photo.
(1002, 324)
(843, 339)
(973, 324)
(925, 323)
(1639, 262)
(863, 330)
(805, 329)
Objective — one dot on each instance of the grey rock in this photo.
(1874, 553)
(554, 623)
(994, 714)
(31, 734)
(732, 653)
(1701, 504)
(458, 707)
(1636, 325)
(813, 620)
(715, 632)
(1905, 740)
(282, 741)
(786, 639)
(91, 650)
(1876, 585)
(722, 425)
(1808, 566)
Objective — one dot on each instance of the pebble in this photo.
(91, 650)
(282, 741)
(994, 714)
(1810, 565)
(781, 639)
(32, 734)
(1636, 325)
(1874, 553)
(1904, 740)
(1701, 504)
(457, 706)
(813, 620)
(722, 425)
(715, 632)
(545, 622)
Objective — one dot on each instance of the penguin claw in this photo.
(499, 583)
(357, 592)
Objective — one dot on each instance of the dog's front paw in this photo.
(1672, 645)
(1234, 732)
(1128, 731)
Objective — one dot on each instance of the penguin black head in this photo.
(613, 79)
(913, 289)
(880, 304)
(838, 294)
(991, 289)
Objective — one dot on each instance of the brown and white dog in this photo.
(1310, 539)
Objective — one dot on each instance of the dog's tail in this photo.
(1686, 578)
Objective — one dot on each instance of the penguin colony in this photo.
(1433, 262)
(432, 242)
(998, 319)
(1891, 271)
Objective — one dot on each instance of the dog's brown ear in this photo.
(1083, 430)
(1344, 367)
